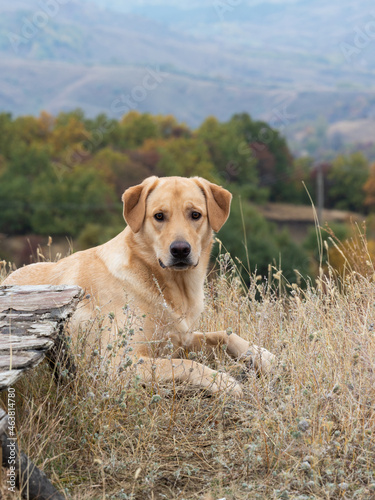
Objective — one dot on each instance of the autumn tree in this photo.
(120, 170)
(104, 132)
(229, 152)
(135, 128)
(168, 127)
(274, 162)
(67, 139)
(182, 156)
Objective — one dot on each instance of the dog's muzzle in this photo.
(180, 256)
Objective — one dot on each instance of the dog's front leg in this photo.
(191, 372)
(237, 348)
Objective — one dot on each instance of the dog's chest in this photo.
(187, 305)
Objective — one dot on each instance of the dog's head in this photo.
(175, 216)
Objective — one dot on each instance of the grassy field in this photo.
(305, 432)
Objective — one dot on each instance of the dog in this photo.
(157, 266)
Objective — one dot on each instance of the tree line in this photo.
(64, 175)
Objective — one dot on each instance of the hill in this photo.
(287, 63)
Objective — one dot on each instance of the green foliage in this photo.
(36, 197)
(6, 135)
(168, 127)
(316, 243)
(135, 128)
(302, 181)
(292, 259)
(186, 157)
(348, 176)
(95, 234)
(20, 176)
(103, 132)
(254, 241)
(231, 155)
(274, 162)
(253, 155)
(118, 169)
(65, 207)
(65, 175)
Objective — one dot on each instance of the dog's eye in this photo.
(159, 216)
(196, 215)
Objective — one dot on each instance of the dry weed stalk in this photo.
(307, 432)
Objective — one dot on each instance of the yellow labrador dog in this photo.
(158, 266)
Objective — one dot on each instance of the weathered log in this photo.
(53, 301)
(3, 421)
(31, 321)
(20, 360)
(9, 377)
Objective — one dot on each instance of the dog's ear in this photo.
(218, 202)
(134, 200)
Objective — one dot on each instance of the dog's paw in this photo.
(227, 384)
(260, 359)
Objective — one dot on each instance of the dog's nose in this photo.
(180, 249)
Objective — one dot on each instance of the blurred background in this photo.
(273, 99)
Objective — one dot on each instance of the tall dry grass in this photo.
(306, 432)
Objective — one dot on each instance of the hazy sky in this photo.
(186, 3)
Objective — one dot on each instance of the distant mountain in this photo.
(286, 62)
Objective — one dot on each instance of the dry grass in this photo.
(307, 432)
